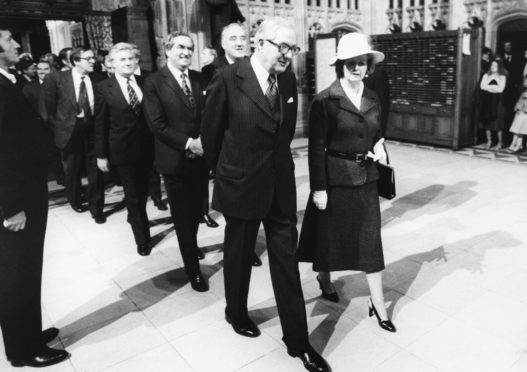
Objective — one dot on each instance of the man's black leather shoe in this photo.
(198, 283)
(99, 218)
(312, 360)
(49, 334)
(256, 260)
(45, 357)
(144, 249)
(78, 208)
(208, 220)
(246, 328)
(200, 254)
(160, 204)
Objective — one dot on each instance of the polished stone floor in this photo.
(455, 283)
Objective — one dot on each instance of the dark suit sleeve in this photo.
(101, 123)
(214, 120)
(157, 119)
(318, 130)
(49, 97)
(11, 176)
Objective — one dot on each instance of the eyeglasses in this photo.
(283, 48)
(88, 58)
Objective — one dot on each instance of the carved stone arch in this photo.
(512, 15)
(346, 27)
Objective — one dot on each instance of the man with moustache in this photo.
(23, 216)
(173, 104)
(248, 125)
(68, 105)
(123, 140)
(234, 44)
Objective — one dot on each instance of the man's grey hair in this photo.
(269, 27)
(120, 47)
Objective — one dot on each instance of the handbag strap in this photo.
(386, 151)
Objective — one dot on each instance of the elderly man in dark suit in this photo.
(234, 43)
(174, 98)
(122, 138)
(68, 104)
(248, 125)
(23, 212)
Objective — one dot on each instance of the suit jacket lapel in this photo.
(368, 101)
(249, 84)
(117, 92)
(174, 85)
(70, 88)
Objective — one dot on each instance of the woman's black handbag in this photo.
(386, 181)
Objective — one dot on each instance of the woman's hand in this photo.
(320, 198)
(378, 151)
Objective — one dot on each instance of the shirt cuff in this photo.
(188, 143)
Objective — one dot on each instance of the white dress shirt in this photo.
(261, 74)
(355, 96)
(177, 75)
(77, 79)
(11, 77)
(123, 83)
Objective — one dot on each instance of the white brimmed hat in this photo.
(353, 45)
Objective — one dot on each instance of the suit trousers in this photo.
(135, 178)
(154, 183)
(81, 148)
(281, 236)
(21, 256)
(185, 195)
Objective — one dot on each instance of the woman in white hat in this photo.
(342, 223)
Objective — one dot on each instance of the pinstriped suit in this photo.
(248, 146)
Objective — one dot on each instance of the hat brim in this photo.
(376, 56)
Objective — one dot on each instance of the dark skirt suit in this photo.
(347, 234)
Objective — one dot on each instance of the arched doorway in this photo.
(514, 31)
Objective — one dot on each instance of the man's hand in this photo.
(320, 198)
(16, 222)
(102, 164)
(195, 147)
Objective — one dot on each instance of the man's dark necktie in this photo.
(187, 90)
(132, 97)
(272, 93)
(83, 104)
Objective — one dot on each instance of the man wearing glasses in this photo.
(68, 103)
(248, 124)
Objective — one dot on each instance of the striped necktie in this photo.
(271, 93)
(186, 89)
(132, 97)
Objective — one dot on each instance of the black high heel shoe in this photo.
(333, 297)
(384, 324)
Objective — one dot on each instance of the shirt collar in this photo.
(261, 73)
(229, 59)
(77, 75)
(123, 80)
(176, 72)
(11, 77)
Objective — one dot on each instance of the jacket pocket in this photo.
(345, 172)
(230, 171)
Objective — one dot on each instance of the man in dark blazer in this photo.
(248, 124)
(32, 90)
(154, 184)
(24, 150)
(122, 138)
(234, 44)
(68, 104)
(174, 98)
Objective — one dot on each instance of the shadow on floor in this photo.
(355, 285)
(134, 299)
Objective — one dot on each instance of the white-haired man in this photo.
(248, 125)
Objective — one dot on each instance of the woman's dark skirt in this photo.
(347, 234)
